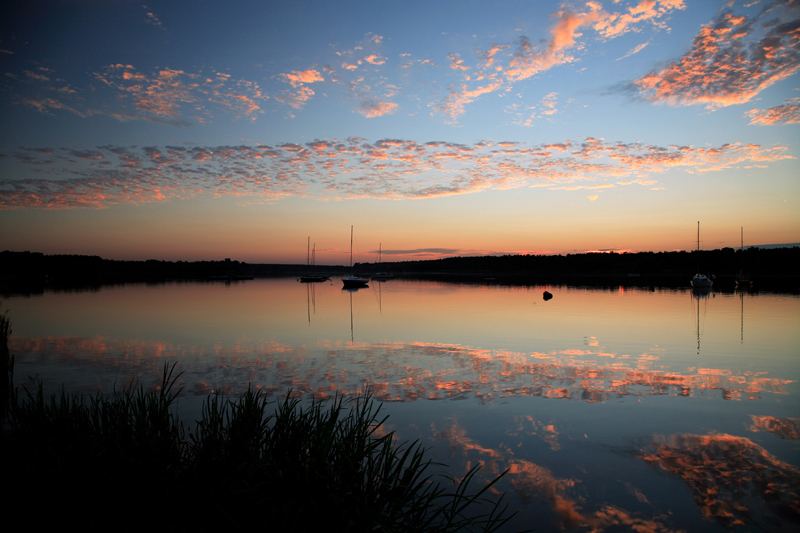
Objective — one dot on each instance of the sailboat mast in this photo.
(308, 252)
(741, 270)
(698, 246)
(351, 246)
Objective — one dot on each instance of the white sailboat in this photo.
(700, 281)
(353, 282)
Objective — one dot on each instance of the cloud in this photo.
(497, 70)
(46, 105)
(296, 99)
(374, 108)
(151, 19)
(353, 168)
(788, 113)
(732, 60)
(647, 10)
(549, 103)
(375, 59)
(634, 51)
(424, 251)
(453, 105)
(165, 96)
(298, 78)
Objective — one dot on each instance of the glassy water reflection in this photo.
(612, 409)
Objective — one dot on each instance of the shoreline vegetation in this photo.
(124, 461)
(769, 268)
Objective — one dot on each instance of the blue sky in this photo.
(199, 130)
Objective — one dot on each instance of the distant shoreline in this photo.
(769, 268)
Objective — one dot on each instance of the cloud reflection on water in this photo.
(732, 479)
(400, 371)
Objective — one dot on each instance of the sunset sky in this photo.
(204, 130)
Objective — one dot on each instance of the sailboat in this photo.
(381, 276)
(311, 261)
(743, 283)
(353, 282)
(700, 281)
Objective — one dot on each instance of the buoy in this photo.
(547, 296)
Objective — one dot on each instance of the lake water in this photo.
(613, 410)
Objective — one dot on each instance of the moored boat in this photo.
(353, 281)
(381, 276)
(700, 281)
(742, 283)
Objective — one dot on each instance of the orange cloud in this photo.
(375, 59)
(788, 113)
(374, 108)
(298, 78)
(353, 168)
(170, 94)
(528, 60)
(296, 99)
(732, 60)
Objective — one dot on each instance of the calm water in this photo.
(614, 410)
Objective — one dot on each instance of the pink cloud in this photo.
(296, 99)
(352, 168)
(375, 59)
(787, 113)
(374, 108)
(298, 78)
(613, 25)
(731, 61)
(634, 51)
(529, 59)
(164, 96)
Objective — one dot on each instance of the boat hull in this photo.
(354, 282)
(701, 282)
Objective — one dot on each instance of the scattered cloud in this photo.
(166, 96)
(297, 79)
(151, 19)
(374, 108)
(360, 73)
(787, 113)
(353, 168)
(732, 60)
(297, 99)
(549, 104)
(497, 70)
(375, 59)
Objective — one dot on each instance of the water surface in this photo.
(647, 410)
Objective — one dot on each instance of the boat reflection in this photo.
(699, 293)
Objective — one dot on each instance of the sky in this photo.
(248, 129)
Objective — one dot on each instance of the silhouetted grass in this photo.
(123, 461)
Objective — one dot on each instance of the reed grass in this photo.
(125, 461)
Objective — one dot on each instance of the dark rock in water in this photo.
(547, 296)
